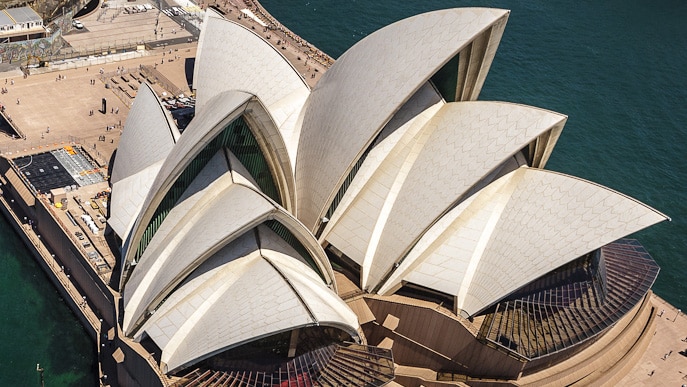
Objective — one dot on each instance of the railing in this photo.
(152, 74)
(361, 365)
(538, 325)
(286, 35)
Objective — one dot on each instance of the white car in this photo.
(77, 24)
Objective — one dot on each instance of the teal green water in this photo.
(37, 326)
(615, 68)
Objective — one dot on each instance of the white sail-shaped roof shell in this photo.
(202, 129)
(209, 122)
(232, 57)
(516, 230)
(422, 177)
(221, 204)
(369, 83)
(257, 285)
(148, 136)
(127, 197)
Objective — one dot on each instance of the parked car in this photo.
(77, 24)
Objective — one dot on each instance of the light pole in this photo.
(677, 314)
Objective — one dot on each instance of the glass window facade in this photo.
(446, 80)
(291, 239)
(238, 138)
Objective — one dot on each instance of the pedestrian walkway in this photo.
(662, 364)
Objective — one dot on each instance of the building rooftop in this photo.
(22, 15)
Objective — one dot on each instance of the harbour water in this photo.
(615, 68)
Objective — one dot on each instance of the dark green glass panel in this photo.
(239, 139)
(289, 238)
(446, 79)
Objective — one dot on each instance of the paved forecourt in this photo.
(63, 100)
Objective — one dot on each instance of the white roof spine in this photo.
(360, 93)
(520, 227)
(285, 294)
(232, 57)
(147, 138)
(218, 113)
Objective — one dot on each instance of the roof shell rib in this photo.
(148, 136)
(457, 148)
(218, 207)
(218, 113)
(515, 230)
(232, 57)
(256, 282)
(366, 86)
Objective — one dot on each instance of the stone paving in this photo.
(652, 369)
(63, 101)
(111, 27)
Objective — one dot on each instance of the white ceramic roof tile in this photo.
(546, 224)
(232, 57)
(127, 197)
(360, 93)
(216, 218)
(148, 135)
(464, 142)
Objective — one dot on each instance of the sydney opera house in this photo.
(384, 226)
